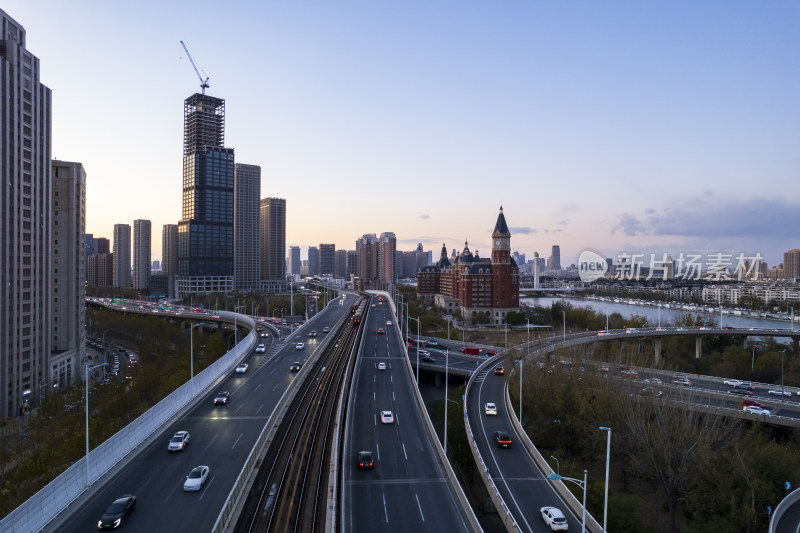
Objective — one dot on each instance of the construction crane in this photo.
(203, 82)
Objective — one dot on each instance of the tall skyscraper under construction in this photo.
(205, 231)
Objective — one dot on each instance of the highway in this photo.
(407, 490)
(221, 438)
(521, 484)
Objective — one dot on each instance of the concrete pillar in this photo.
(657, 344)
(698, 346)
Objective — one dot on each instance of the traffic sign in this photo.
(788, 485)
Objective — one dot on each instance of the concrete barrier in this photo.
(46, 505)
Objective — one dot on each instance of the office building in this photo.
(25, 238)
(103, 245)
(273, 243)
(169, 249)
(327, 259)
(294, 260)
(340, 264)
(90, 244)
(141, 255)
(122, 256)
(313, 261)
(68, 333)
(482, 290)
(205, 231)
(554, 262)
(246, 222)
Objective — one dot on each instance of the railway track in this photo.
(290, 492)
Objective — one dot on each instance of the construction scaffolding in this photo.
(203, 123)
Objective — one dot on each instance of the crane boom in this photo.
(203, 82)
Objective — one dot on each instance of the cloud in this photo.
(522, 230)
(424, 217)
(713, 217)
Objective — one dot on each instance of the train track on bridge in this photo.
(290, 492)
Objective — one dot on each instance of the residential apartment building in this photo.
(169, 249)
(294, 260)
(273, 244)
(313, 261)
(68, 332)
(246, 227)
(25, 225)
(327, 259)
(141, 255)
(122, 256)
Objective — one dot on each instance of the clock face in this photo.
(497, 242)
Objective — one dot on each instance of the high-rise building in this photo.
(141, 254)
(313, 261)
(25, 238)
(100, 270)
(294, 260)
(340, 264)
(69, 273)
(554, 263)
(246, 244)
(273, 242)
(90, 244)
(327, 259)
(122, 256)
(387, 256)
(169, 249)
(205, 231)
(791, 264)
(367, 250)
(352, 263)
(103, 245)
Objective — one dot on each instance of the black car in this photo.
(222, 398)
(117, 512)
(743, 392)
(503, 439)
(296, 366)
(365, 460)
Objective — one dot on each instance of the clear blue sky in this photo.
(639, 126)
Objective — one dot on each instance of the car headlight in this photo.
(117, 522)
(99, 523)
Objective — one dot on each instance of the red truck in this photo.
(471, 351)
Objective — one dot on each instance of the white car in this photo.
(753, 410)
(554, 518)
(388, 322)
(242, 368)
(733, 382)
(387, 417)
(179, 441)
(779, 392)
(196, 478)
(490, 409)
(261, 348)
(299, 346)
(381, 366)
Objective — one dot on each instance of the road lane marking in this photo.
(211, 441)
(404, 451)
(378, 448)
(237, 441)
(204, 489)
(385, 510)
(393, 398)
(419, 507)
(238, 408)
(260, 407)
(259, 385)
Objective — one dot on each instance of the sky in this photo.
(618, 126)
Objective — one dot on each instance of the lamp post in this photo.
(191, 354)
(564, 317)
(87, 368)
(445, 424)
(582, 484)
(783, 391)
(408, 317)
(608, 461)
(446, 361)
(558, 465)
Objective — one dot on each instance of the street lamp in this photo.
(558, 465)
(191, 354)
(608, 461)
(409, 317)
(783, 391)
(582, 484)
(87, 368)
(446, 361)
(564, 317)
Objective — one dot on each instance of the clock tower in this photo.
(505, 274)
(501, 241)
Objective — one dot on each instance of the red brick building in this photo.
(473, 285)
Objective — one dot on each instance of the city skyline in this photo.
(615, 127)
